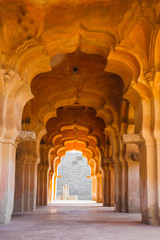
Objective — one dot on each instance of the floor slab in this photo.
(78, 221)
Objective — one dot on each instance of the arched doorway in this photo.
(74, 172)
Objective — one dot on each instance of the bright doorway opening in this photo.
(73, 178)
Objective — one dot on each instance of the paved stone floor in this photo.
(79, 221)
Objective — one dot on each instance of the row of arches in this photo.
(92, 89)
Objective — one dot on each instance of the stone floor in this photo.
(78, 221)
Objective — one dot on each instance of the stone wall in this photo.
(74, 170)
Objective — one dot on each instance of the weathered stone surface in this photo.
(131, 138)
(72, 219)
(93, 71)
(26, 176)
(7, 179)
(26, 136)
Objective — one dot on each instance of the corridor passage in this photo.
(78, 221)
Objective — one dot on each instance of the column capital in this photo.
(131, 138)
(8, 141)
(26, 136)
(8, 76)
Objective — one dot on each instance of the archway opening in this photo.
(73, 178)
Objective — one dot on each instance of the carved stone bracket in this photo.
(132, 142)
(131, 138)
(26, 136)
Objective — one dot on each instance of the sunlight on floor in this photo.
(76, 202)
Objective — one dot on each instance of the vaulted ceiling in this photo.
(81, 58)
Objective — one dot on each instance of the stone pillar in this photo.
(14, 93)
(131, 157)
(42, 185)
(108, 186)
(98, 188)
(124, 187)
(106, 182)
(43, 175)
(118, 187)
(26, 176)
(112, 185)
(50, 186)
(94, 195)
(133, 187)
(148, 168)
(124, 167)
(106, 201)
(157, 130)
(132, 142)
(10, 120)
(105, 172)
(55, 185)
(7, 179)
(113, 133)
(38, 200)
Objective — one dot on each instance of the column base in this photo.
(150, 217)
(7, 180)
(6, 207)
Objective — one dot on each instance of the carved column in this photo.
(7, 179)
(50, 187)
(133, 187)
(43, 186)
(132, 142)
(98, 188)
(55, 186)
(157, 130)
(124, 170)
(26, 173)
(43, 176)
(113, 133)
(124, 187)
(8, 133)
(94, 195)
(106, 182)
(14, 93)
(148, 167)
(112, 185)
(118, 187)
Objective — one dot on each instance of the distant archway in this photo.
(74, 178)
